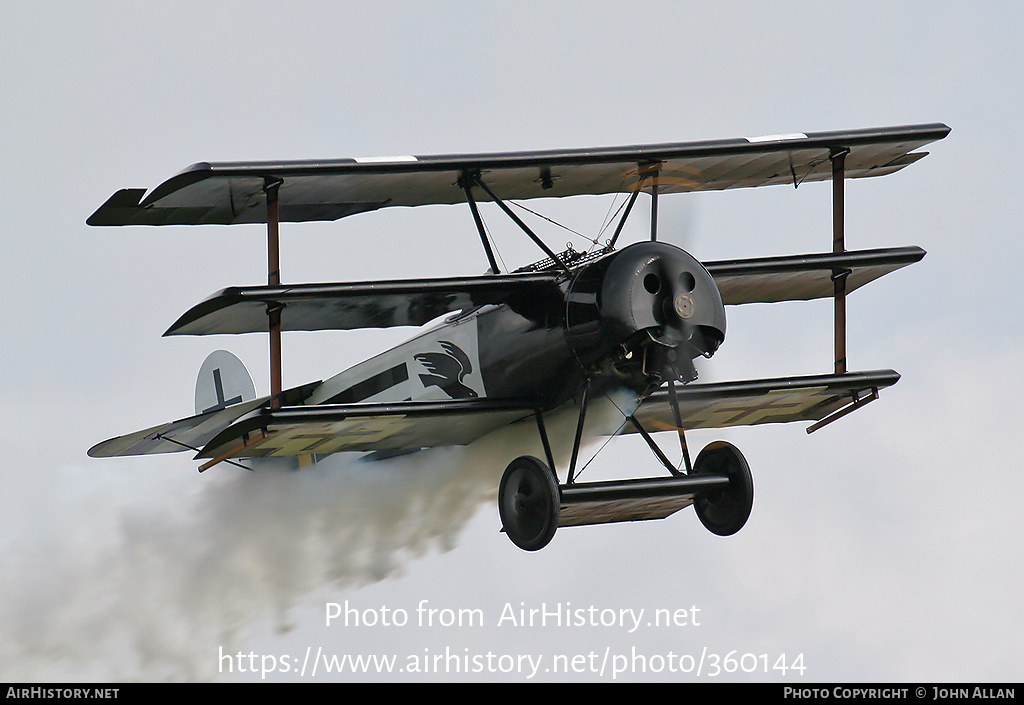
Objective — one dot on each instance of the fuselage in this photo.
(631, 318)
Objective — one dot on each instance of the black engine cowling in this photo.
(644, 313)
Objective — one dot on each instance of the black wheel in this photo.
(724, 511)
(529, 503)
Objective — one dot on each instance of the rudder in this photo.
(222, 382)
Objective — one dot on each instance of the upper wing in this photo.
(232, 192)
(719, 405)
(380, 304)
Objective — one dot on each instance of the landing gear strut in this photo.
(529, 503)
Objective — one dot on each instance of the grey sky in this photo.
(882, 548)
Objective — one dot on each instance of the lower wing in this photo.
(817, 398)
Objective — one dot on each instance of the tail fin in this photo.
(223, 381)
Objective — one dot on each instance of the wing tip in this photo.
(117, 209)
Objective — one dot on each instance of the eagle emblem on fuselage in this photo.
(448, 370)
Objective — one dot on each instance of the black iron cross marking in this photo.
(221, 401)
(756, 412)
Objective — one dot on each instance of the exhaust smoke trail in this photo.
(115, 578)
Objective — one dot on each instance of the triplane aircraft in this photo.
(517, 346)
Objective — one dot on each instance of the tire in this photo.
(723, 512)
(529, 503)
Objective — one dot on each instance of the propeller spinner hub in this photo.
(683, 305)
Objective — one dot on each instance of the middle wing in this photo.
(346, 306)
(382, 304)
(805, 277)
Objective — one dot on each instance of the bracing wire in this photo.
(593, 241)
(553, 222)
(608, 220)
(625, 420)
(494, 244)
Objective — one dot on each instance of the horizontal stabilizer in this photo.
(191, 433)
(380, 304)
(233, 192)
(323, 429)
(185, 434)
(804, 277)
(723, 404)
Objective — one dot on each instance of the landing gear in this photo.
(724, 511)
(532, 505)
(529, 503)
